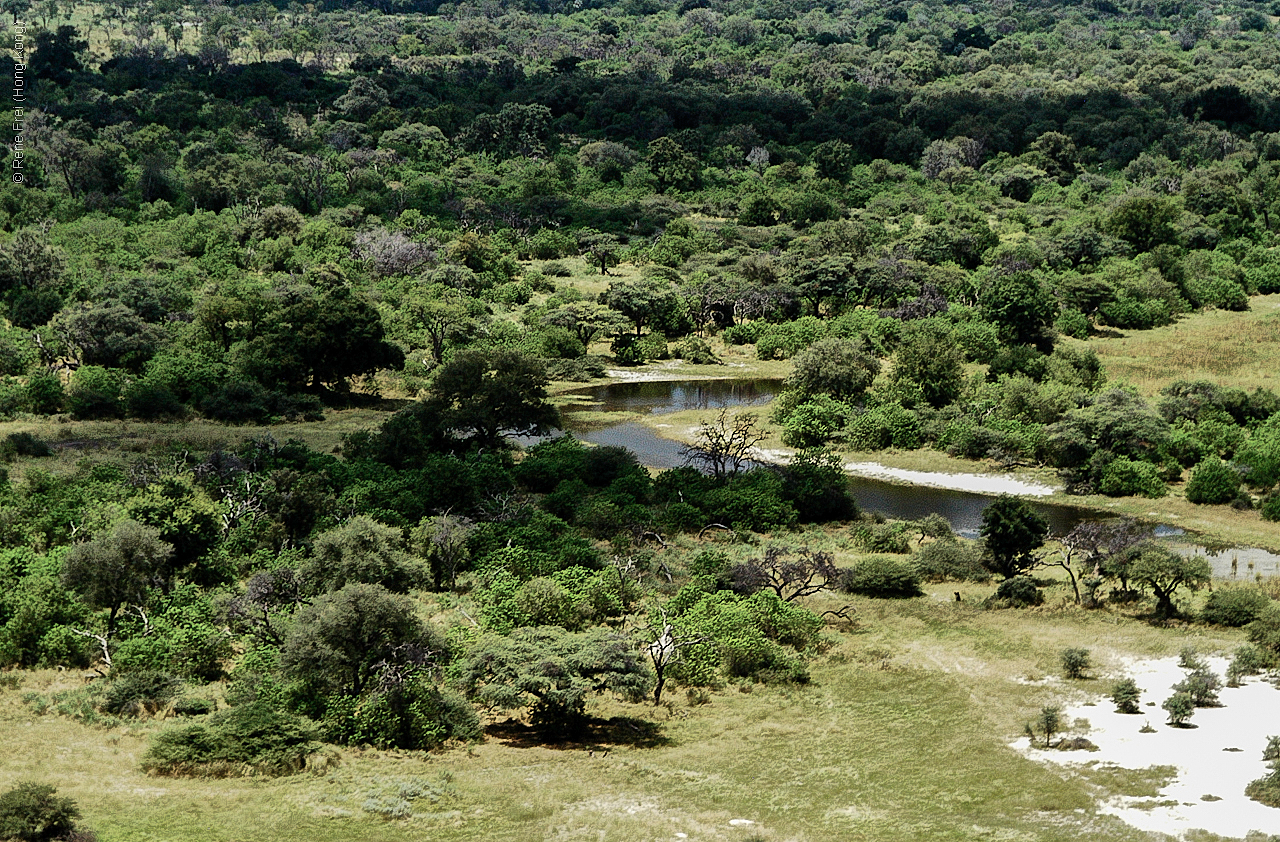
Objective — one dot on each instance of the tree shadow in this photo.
(596, 735)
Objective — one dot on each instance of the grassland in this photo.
(902, 735)
(1233, 349)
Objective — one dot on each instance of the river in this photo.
(962, 509)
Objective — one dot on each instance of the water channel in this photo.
(963, 509)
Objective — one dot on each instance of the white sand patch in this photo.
(977, 483)
(1205, 767)
(653, 374)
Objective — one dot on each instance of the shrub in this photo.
(1016, 592)
(556, 269)
(1180, 707)
(1126, 695)
(136, 693)
(1073, 323)
(193, 707)
(1126, 477)
(955, 560)
(696, 351)
(32, 812)
(1234, 607)
(1075, 663)
(1213, 481)
(1270, 507)
(24, 444)
(247, 740)
(883, 577)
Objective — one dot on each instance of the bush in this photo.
(1017, 592)
(416, 716)
(883, 577)
(1180, 707)
(142, 692)
(1234, 607)
(556, 269)
(194, 707)
(32, 812)
(1270, 507)
(696, 351)
(1076, 663)
(1213, 482)
(247, 740)
(1126, 477)
(1126, 695)
(951, 560)
(1073, 323)
(24, 444)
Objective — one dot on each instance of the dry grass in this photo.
(1232, 349)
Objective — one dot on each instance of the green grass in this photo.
(1231, 349)
(901, 735)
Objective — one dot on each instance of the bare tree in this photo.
(666, 649)
(723, 444)
(789, 573)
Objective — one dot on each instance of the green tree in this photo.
(1213, 481)
(442, 541)
(841, 368)
(1145, 221)
(929, 357)
(1076, 663)
(361, 550)
(1165, 572)
(553, 672)
(117, 568)
(1011, 529)
(1180, 708)
(588, 320)
(672, 166)
(1019, 303)
(1126, 695)
(343, 640)
(482, 394)
(32, 812)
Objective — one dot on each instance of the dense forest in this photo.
(255, 213)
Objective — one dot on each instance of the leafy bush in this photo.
(556, 269)
(32, 812)
(1126, 477)
(1016, 592)
(951, 560)
(1076, 663)
(1213, 481)
(1180, 707)
(1126, 695)
(1234, 607)
(696, 351)
(138, 693)
(880, 576)
(1270, 508)
(417, 715)
(24, 444)
(246, 740)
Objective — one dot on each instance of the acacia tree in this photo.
(723, 445)
(789, 573)
(1165, 572)
(552, 672)
(480, 394)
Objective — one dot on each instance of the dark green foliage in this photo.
(1011, 530)
(246, 740)
(1076, 663)
(1124, 477)
(139, 693)
(194, 706)
(361, 550)
(1234, 606)
(33, 812)
(415, 715)
(481, 395)
(551, 672)
(1180, 707)
(1017, 592)
(1126, 696)
(841, 368)
(881, 577)
(117, 568)
(1164, 572)
(344, 640)
(24, 444)
(1213, 481)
